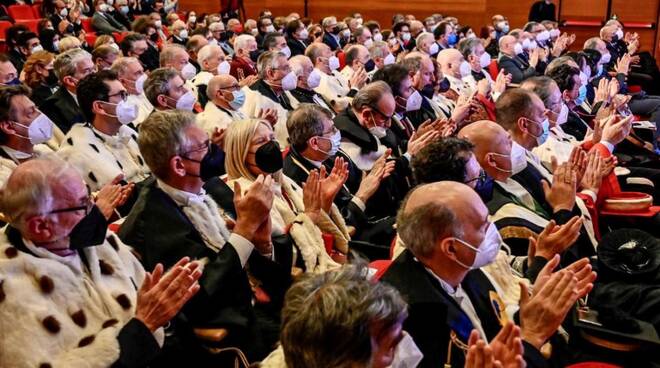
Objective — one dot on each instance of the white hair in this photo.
(121, 64)
(241, 42)
(296, 64)
(216, 26)
(207, 52)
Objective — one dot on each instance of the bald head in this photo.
(448, 193)
(507, 45)
(450, 62)
(219, 83)
(492, 145)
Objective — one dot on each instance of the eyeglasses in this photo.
(205, 145)
(123, 94)
(481, 177)
(87, 206)
(387, 117)
(333, 130)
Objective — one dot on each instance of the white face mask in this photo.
(125, 111)
(563, 114)
(518, 158)
(346, 33)
(304, 34)
(405, 36)
(414, 101)
(186, 102)
(606, 58)
(37, 48)
(525, 44)
(139, 83)
(333, 63)
(64, 12)
(543, 36)
(488, 249)
(583, 79)
(335, 140)
(517, 48)
(406, 353)
(270, 28)
(368, 43)
(619, 34)
(314, 79)
(192, 19)
(377, 37)
(389, 59)
(465, 69)
(378, 131)
(433, 49)
(158, 23)
(286, 51)
(114, 46)
(484, 60)
(289, 82)
(39, 131)
(183, 33)
(223, 68)
(254, 32)
(188, 71)
(555, 33)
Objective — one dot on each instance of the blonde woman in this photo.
(39, 76)
(303, 214)
(69, 42)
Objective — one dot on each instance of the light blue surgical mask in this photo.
(545, 125)
(599, 70)
(582, 96)
(239, 99)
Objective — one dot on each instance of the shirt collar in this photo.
(181, 197)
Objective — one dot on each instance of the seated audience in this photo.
(165, 89)
(102, 21)
(132, 76)
(225, 99)
(40, 76)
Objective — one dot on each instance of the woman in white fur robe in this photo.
(288, 214)
(57, 312)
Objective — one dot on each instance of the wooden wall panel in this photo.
(636, 11)
(583, 9)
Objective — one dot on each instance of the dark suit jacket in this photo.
(517, 68)
(161, 233)
(63, 110)
(297, 47)
(330, 41)
(106, 24)
(433, 314)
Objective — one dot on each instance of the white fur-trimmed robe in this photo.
(49, 317)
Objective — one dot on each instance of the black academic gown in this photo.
(63, 110)
(296, 46)
(433, 314)
(160, 232)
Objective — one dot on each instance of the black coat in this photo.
(433, 314)
(330, 41)
(63, 110)
(518, 69)
(296, 46)
(161, 233)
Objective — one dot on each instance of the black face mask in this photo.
(444, 85)
(211, 165)
(224, 37)
(427, 91)
(485, 189)
(51, 79)
(269, 158)
(254, 55)
(335, 31)
(13, 82)
(69, 29)
(370, 65)
(90, 231)
(154, 37)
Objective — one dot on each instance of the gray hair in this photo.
(412, 62)
(592, 43)
(121, 64)
(424, 35)
(540, 86)
(169, 52)
(340, 306)
(268, 60)
(162, 136)
(468, 46)
(370, 95)
(29, 189)
(328, 21)
(66, 63)
(379, 50)
(215, 26)
(241, 42)
(314, 50)
(304, 123)
(557, 62)
(158, 83)
(421, 228)
(207, 52)
(296, 64)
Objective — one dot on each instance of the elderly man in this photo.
(475, 54)
(178, 33)
(178, 215)
(105, 148)
(219, 34)
(103, 56)
(426, 44)
(512, 63)
(381, 55)
(363, 37)
(225, 99)
(275, 41)
(244, 62)
(445, 36)
(24, 130)
(8, 72)
(137, 45)
(448, 237)
(330, 33)
(333, 86)
(275, 78)
(308, 79)
(166, 89)
(87, 305)
(62, 107)
(454, 68)
(102, 21)
(193, 45)
(132, 76)
(420, 66)
(212, 61)
(315, 142)
(175, 56)
(358, 62)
